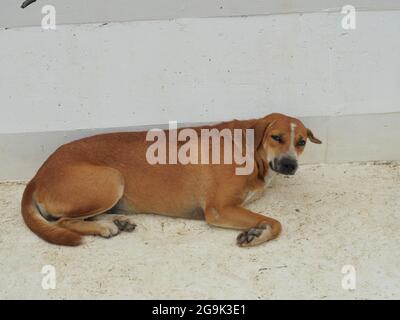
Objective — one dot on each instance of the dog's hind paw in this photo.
(254, 236)
(108, 229)
(124, 223)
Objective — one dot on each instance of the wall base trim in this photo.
(369, 137)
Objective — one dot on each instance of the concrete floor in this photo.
(333, 215)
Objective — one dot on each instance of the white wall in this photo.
(140, 73)
(198, 70)
(91, 11)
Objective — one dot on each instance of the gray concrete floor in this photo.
(333, 215)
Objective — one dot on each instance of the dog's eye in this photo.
(301, 143)
(277, 138)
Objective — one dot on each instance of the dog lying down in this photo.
(88, 186)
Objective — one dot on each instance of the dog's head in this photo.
(281, 140)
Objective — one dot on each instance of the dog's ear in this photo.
(313, 139)
(260, 128)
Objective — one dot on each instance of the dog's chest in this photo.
(255, 194)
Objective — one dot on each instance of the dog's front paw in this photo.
(254, 236)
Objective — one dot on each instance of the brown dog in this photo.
(110, 173)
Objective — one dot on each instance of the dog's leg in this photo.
(104, 225)
(82, 192)
(124, 223)
(123, 207)
(105, 229)
(258, 228)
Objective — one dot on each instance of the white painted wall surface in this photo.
(198, 70)
(92, 11)
(344, 84)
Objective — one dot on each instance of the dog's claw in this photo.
(120, 224)
(125, 225)
(246, 238)
(130, 227)
(242, 237)
(255, 232)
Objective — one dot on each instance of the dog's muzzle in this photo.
(284, 165)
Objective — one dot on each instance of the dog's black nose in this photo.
(288, 166)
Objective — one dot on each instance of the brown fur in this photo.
(91, 176)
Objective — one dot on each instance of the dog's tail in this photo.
(45, 230)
